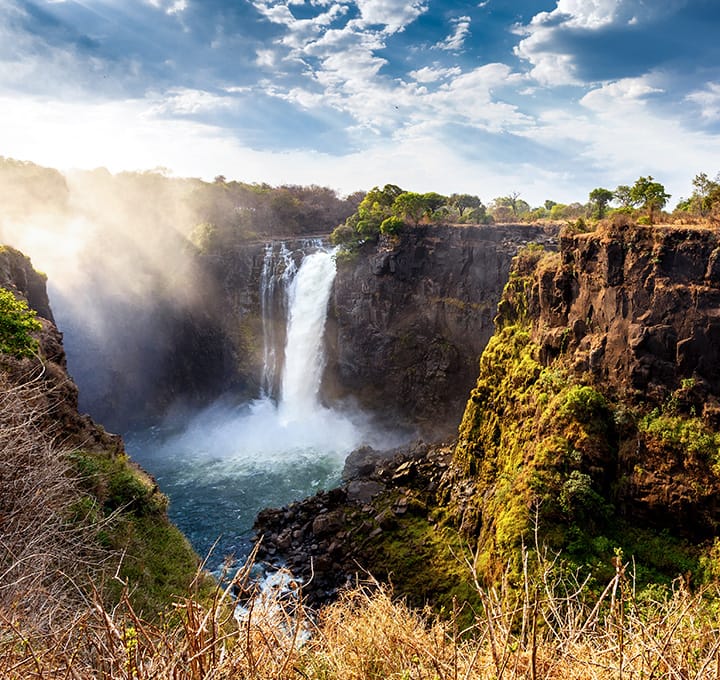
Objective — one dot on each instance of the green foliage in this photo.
(705, 199)
(411, 206)
(17, 323)
(685, 435)
(391, 226)
(463, 202)
(599, 199)
(649, 195)
(158, 561)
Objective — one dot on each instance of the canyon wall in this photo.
(410, 317)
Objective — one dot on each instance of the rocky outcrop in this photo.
(59, 394)
(330, 539)
(638, 308)
(410, 317)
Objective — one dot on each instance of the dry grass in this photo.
(544, 629)
(46, 551)
(550, 626)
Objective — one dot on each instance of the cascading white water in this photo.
(278, 268)
(228, 462)
(304, 351)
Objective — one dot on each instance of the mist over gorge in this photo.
(176, 300)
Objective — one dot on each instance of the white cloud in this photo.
(393, 15)
(552, 65)
(185, 101)
(429, 74)
(455, 41)
(708, 101)
(169, 6)
(620, 94)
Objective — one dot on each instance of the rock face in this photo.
(410, 317)
(639, 308)
(328, 538)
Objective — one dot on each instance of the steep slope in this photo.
(593, 421)
(74, 510)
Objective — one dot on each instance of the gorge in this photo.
(405, 323)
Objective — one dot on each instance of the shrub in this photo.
(17, 323)
(391, 226)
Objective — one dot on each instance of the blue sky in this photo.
(548, 98)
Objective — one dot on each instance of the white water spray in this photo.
(229, 462)
(304, 351)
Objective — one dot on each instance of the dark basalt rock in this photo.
(410, 317)
(324, 539)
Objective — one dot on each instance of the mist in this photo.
(132, 261)
(193, 316)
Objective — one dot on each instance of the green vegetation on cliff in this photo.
(557, 460)
(17, 324)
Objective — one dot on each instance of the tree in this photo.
(504, 208)
(599, 198)
(622, 196)
(649, 195)
(411, 206)
(391, 226)
(705, 195)
(434, 200)
(374, 208)
(463, 202)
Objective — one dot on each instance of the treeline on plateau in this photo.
(216, 215)
(387, 210)
(213, 215)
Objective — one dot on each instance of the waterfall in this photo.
(278, 271)
(304, 349)
(227, 462)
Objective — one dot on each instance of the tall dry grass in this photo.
(48, 554)
(547, 628)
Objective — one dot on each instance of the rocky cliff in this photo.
(410, 316)
(591, 430)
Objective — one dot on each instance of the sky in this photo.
(549, 99)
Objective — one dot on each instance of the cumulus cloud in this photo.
(392, 15)
(553, 41)
(628, 91)
(455, 41)
(429, 74)
(707, 101)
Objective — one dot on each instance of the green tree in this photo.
(622, 196)
(434, 200)
(599, 199)
(17, 322)
(649, 195)
(706, 195)
(374, 208)
(411, 206)
(463, 202)
(391, 225)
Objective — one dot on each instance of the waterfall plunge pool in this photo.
(228, 462)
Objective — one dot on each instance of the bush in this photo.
(17, 322)
(391, 226)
